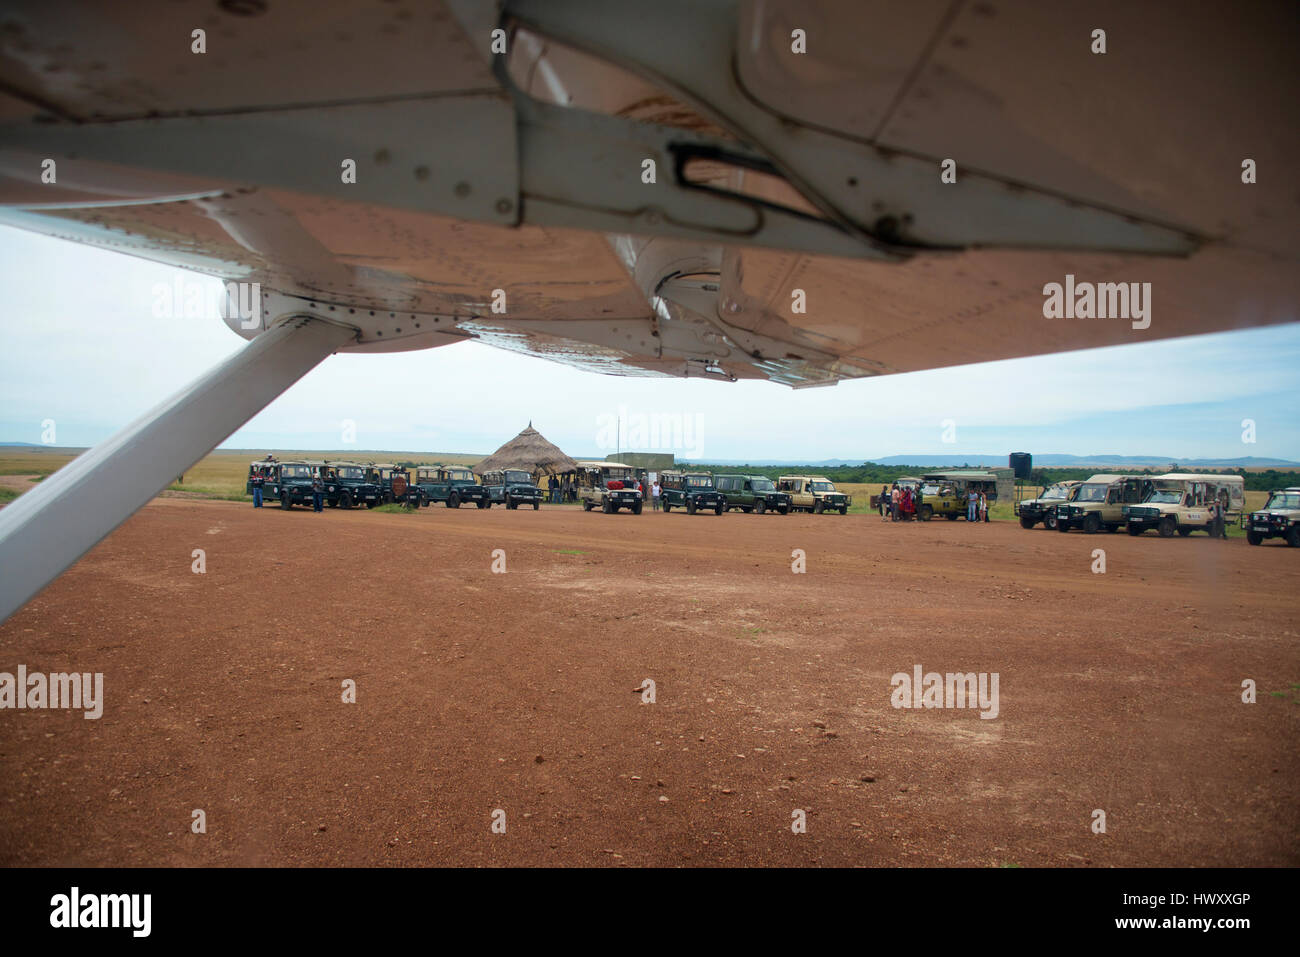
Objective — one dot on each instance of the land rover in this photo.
(751, 493)
(1279, 518)
(346, 486)
(692, 491)
(512, 487)
(291, 483)
(450, 484)
(395, 485)
(813, 493)
(609, 486)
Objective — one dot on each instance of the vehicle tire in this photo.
(1168, 525)
(1184, 532)
(1293, 536)
(372, 504)
(690, 506)
(613, 508)
(1049, 521)
(285, 501)
(1027, 522)
(1136, 529)
(536, 505)
(844, 510)
(951, 516)
(1062, 527)
(481, 504)
(604, 506)
(586, 506)
(487, 503)
(636, 509)
(667, 506)
(453, 500)
(817, 508)
(1111, 528)
(1092, 524)
(784, 509)
(924, 513)
(720, 509)
(760, 506)
(345, 501)
(1255, 538)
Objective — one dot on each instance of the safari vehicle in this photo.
(1279, 518)
(1031, 511)
(1099, 502)
(1183, 503)
(290, 482)
(692, 491)
(512, 487)
(346, 485)
(609, 486)
(452, 484)
(812, 493)
(394, 483)
(751, 493)
(940, 497)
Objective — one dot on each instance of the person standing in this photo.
(654, 496)
(317, 494)
(972, 505)
(917, 498)
(984, 507)
(1218, 530)
(894, 496)
(258, 480)
(882, 503)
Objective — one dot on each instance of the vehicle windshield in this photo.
(929, 489)
(1284, 500)
(296, 471)
(515, 475)
(1057, 491)
(1091, 493)
(460, 475)
(619, 477)
(699, 481)
(1166, 496)
(763, 485)
(823, 487)
(345, 473)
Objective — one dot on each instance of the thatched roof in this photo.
(528, 450)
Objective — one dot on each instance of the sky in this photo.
(81, 347)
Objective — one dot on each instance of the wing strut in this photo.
(50, 527)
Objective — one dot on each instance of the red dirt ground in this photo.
(477, 691)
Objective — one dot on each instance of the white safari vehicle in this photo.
(1183, 502)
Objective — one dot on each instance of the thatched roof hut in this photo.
(528, 450)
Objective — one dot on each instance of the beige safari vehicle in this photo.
(813, 493)
(1184, 503)
(1099, 502)
(594, 487)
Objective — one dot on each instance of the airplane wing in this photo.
(799, 191)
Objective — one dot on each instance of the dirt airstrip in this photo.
(478, 691)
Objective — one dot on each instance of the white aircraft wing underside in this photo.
(1122, 167)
